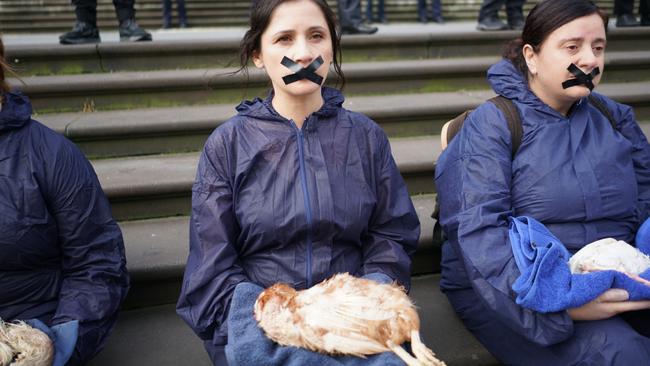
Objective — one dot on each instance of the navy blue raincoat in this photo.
(61, 252)
(577, 175)
(274, 203)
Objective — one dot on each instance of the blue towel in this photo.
(248, 345)
(63, 336)
(546, 284)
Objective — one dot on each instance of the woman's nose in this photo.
(302, 52)
(588, 60)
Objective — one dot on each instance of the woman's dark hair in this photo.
(4, 87)
(261, 11)
(546, 17)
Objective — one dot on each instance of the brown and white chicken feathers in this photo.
(22, 345)
(344, 315)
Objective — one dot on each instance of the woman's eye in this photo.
(572, 47)
(599, 49)
(283, 39)
(317, 36)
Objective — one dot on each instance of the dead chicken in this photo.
(22, 345)
(610, 254)
(344, 315)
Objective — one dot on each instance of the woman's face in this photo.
(297, 30)
(581, 42)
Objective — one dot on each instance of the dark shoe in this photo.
(645, 21)
(360, 29)
(626, 20)
(491, 24)
(422, 18)
(380, 20)
(130, 31)
(166, 26)
(516, 24)
(438, 20)
(183, 25)
(81, 33)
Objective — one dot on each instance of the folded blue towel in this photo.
(546, 284)
(248, 345)
(63, 336)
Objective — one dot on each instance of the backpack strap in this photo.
(600, 105)
(513, 119)
(452, 128)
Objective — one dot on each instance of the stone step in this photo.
(157, 249)
(180, 129)
(149, 13)
(126, 90)
(160, 185)
(219, 49)
(156, 336)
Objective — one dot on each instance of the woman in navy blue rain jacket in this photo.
(294, 188)
(574, 172)
(61, 252)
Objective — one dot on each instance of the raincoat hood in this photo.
(508, 81)
(16, 111)
(263, 108)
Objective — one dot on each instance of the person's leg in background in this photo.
(624, 10)
(381, 12)
(422, 11)
(436, 12)
(369, 17)
(488, 16)
(182, 14)
(167, 14)
(515, 13)
(350, 18)
(129, 30)
(85, 27)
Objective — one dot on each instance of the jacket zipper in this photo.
(303, 176)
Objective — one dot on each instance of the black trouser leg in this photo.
(85, 11)
(515, 9)
(124, 9)
(349, 13)
(624, 7)
(644, 9)
(489, 8)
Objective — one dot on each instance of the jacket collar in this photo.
(508, 81)
(16, 111)
(263, 109)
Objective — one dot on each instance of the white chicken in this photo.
(609, 253)
(22, 345)
(344, 315)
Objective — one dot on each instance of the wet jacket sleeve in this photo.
(394, 228)
(213, 268)
(474, 191)
(95, 279)
(630, 129)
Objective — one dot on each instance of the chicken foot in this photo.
(422, 352)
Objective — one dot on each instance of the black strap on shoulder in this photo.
(600, 105)
(512, 118)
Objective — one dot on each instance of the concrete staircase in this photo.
(149, 108)
(58, 15)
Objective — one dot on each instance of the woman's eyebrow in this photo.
(580, 39)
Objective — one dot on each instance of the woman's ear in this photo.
(531, 58)
(257, 60)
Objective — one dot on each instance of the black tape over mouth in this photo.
(299, 72)
(580, 77)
